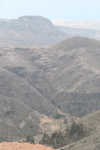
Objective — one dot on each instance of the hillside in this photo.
(90, 33)
(23, 146)
(14, 87)
(92, 122)
(29, 31)
(53, 81)
(20, 99)
(17, 120)
(84, 134)
(75, 70)
(65, 75)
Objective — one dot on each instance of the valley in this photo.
(55, 80)
(45, 87)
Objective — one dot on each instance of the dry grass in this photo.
(92, 142)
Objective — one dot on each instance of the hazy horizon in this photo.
(54, 9)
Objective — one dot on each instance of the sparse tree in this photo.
(30, 139)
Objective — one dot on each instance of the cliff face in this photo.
(29, 31)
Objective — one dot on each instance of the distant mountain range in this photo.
(94, 34)
(81, 24)
(29, 31)
(90, 29)
(41, 87)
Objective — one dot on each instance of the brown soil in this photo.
(55, 128)
(46, 120)
(22, 146)
(48, 124)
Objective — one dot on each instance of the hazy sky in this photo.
(51, 9)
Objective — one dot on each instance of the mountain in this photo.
(29, 31)
(75, 75)
(90, 29)
(62, 76)
(53, 81)
(90, 33)
(21, 102)
(81, 24)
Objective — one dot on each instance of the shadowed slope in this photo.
(55, 73)
(17, 120)
(15, 87)
(75, 67)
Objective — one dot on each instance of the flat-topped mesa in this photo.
(37, 19)
(29, 31)
(29, 19)
(4, 19)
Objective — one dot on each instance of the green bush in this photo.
(30, 139)
(76, 131)
(45, 140)
(59, 139)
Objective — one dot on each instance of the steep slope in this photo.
(78, 61)
(65, 76)
(29, 31)
(15, 87)
(17, 120)
(75, 67)
(21, 81)
(92, 142)
(22, 78)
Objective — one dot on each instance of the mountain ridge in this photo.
(55, 80)
(29, 31)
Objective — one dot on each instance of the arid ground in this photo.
(22, 146)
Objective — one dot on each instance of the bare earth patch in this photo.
(48, 124)
(46, 119)
(22, 146)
